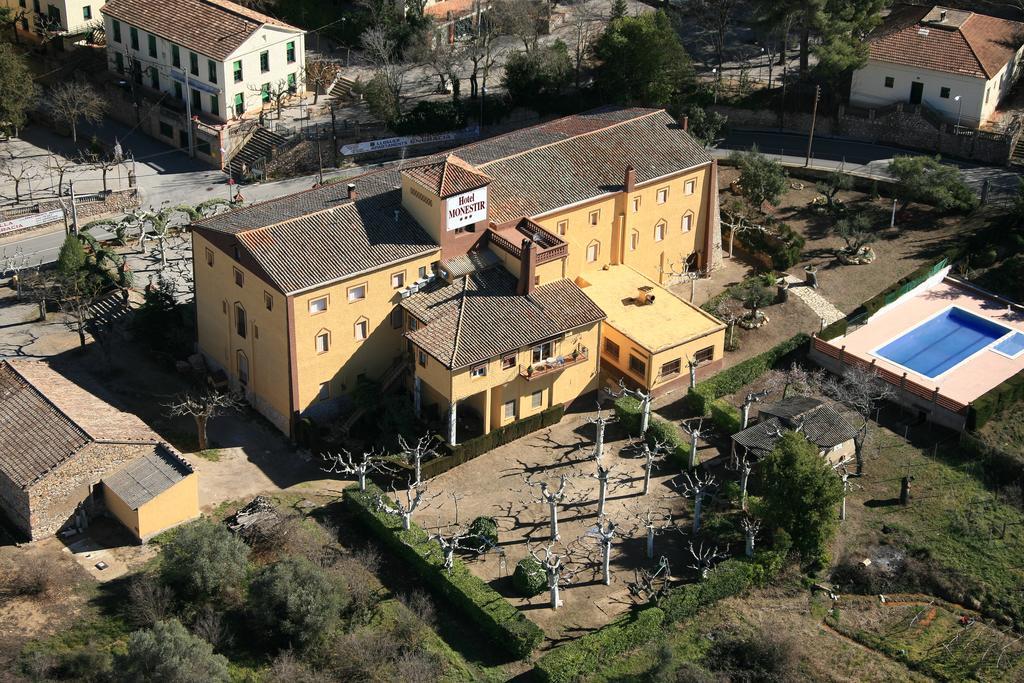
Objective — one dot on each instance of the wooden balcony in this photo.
(545, 368)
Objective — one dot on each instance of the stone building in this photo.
(66, 456)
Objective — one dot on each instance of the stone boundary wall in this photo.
(107, 203)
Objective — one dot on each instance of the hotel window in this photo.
(508, 361)
(290, 50)
(479, 371)
(175, 56)
(318, 305)
(545, 350)
(687, 222)
(634, 240)
(636, 204)
(889, 81)
(243, 369)
(325, 391)
(398, 280)
(611, 348)
(671, 368)
(357, 293)
(705, 355)
(595, 216)
(362, 329)
(659, 232)
(211, 71)
(239, 277)
(268, 301)
(422, 358)
(509, 410)
(944, 93)
(689, 187)
(117, 31)
(323, 341)
(537, 399)
(593, 249)
(152, 45)
(264, 62)
(637, 366)
(240, 326)
(663, 195)
(236, 69)
(563, 227)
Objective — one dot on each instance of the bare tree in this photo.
(449, 544)
(750, 526)
(843, 470)
(202, 406)
(102, 162)
(77, 298)
(693, 428)
(18, 173)
(482, 53)
(552, 497)
(651, 454)
(586, 25)
(520, 19)
(72, 103)
(415, 455)
(320, 73)
(862, 390)
(382, 52)
(644, 397)
(415, 497)
(751, 398)
(704, 558)
(717, 17)
(557, 570)
(739, 216)
(795, 377)
(18, 264)
(605, 532)
(443, 58)
(652, 522)
(651, 584)
(59, 165)
(698, 486)
(685, 270)
(345, 463)
(274, 93)
(743, 464)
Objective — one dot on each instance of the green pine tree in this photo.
(619, 9)
(72, 260)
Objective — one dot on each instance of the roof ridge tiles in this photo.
(458, 319)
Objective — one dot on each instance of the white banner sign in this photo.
(31, 221)
(465, 209)
(406, 141)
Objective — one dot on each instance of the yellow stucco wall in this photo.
(265, 344)
(177, 504)
(626, 347)
(425, 206)
(124, 514)
(348, 357)
(653, 377)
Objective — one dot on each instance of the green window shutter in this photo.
(214, 105)
(87, 12)
(291, 51)
(193, 63)
(117, 31)
(211, 70)
(264, 62)
(154, 78)
(239, 104)
(175, 56)
(152, 45)
(134, 32)
(265, 92)
(236, 67)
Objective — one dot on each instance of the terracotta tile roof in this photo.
(480, 316)
(149, 475)
(458, 8)
(45, 420)
(822, 424)
(534, 170)
(450, 176)
(965, 43)
(214, 28)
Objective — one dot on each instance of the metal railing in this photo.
(548, 367)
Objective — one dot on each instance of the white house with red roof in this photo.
(958, 63)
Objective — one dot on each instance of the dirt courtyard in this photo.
(493, 485)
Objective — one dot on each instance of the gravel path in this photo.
(821, 306)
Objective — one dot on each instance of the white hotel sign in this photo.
(465, 209)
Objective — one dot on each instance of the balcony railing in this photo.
(547, 367)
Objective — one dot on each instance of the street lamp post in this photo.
(959, 111)
(714, 87)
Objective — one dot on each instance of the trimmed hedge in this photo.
(738, 376)
(467, 450)
(995, 400)
(627, 410)
(528, 578)
(726, 416)
(836, 329)
(498, 619)
(585, 656)
(875, 303)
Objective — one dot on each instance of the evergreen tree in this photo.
(619, 9)
(17, 89)
(168, 653)
(72, 260)
(204, 561)
(929, 181)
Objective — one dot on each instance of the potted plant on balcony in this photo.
(575, 354)
(529, 370)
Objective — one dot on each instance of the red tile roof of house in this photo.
(448, 177)
(949, 40)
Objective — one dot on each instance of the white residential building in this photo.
(958, 63)
(64, 18)
(215, 57)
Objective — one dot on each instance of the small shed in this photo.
(821, 423)
(152, 493)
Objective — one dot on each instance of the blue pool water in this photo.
(933, 347)
(1012, 346)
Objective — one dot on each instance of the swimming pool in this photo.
(942, 342)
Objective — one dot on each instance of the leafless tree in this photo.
(717, 17)
(750, 526)
(652, 522)
(77, 299)
(60, 165)
(739, 217)
(651, 453)
(693, 428)
(17, 263)
(557, 568)
(842, 468)
(644, 397)
(445, 59)
(796, 377)
(415, 455)
(862, 390)
(704, 558)
(482, 53)
(552, 497)
(651, 584)
(370, 461)
(18, 173)
(605, 533)
(750, 399)
(415, 497)
(449, 544)
(600, 422)
(698, 486)
(202, 406)
(101, 162)
(382, 52)
(520, 19)
(744, 465)
(684, 270)
(274, 93)
(586, 25)
(72, 103)
(320, 73)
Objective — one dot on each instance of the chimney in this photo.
(686, 124)
(352, 194)
(527, 268)
(629, 182)
(644, 296)
(942, 15)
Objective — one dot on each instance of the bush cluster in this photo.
(529, 578)
(497, 618)
(779, 249)
(726, 416)
(738, 376)
(627, 411)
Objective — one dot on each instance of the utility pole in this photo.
(814, 118)
(74, 208)
(320, 163)
(188, 114)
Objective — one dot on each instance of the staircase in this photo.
(1017, 158)
(257, 150)
(341, 90)
(393, 374)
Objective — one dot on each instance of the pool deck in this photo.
(964, 382)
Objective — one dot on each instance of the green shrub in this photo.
(585, 656)
(836, 329)
(483, 534)
(726, 416)
(627, 412)
(168, 652)
(729, 578)
(429, 116)
(779, 249)
(529, 578)
(204, 561)
(293, 602)
(502, 623)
